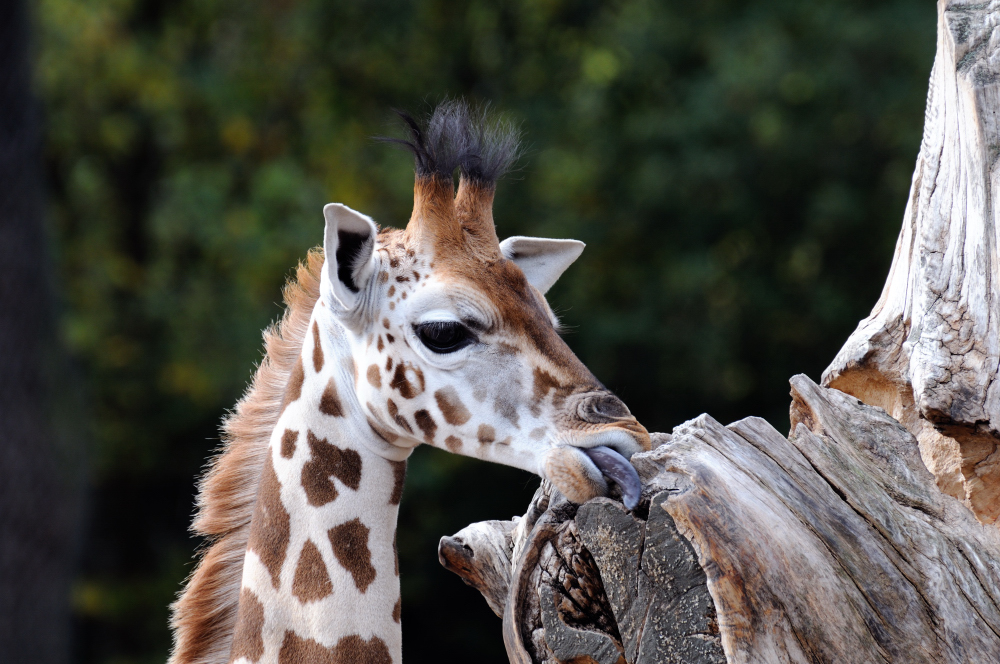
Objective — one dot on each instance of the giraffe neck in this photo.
(320, 576)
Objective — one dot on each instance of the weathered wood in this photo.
(833, 545)
(928, 353)
(869, 533)
(480, 554)
(556, 609)
(657, 591)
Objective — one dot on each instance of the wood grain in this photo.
(832, 545)
(929, 351)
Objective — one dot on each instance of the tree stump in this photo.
(869, 533)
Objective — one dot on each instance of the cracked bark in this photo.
(929, 351)
(868, 534)
(831, 545)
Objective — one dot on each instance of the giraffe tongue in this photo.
(617, 468)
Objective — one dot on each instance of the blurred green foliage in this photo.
(738, 170)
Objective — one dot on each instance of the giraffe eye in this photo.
(444, 336)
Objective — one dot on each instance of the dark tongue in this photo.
(617, 468)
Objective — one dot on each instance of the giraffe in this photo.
(436, 334)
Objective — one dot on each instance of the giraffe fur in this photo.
(437, 334)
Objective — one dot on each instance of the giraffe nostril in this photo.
(602, 409)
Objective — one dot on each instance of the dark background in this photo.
(738, 170)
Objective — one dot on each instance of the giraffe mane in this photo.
(204, 614)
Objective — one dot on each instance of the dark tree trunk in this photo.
(36, 510)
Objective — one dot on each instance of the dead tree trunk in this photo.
(869, 533)
(929, 351)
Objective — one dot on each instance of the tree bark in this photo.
(928, 353)
(37, 481)
(869, 533)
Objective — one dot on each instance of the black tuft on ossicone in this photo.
(483, 145)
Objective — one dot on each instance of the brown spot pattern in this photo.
(288, 443)
(317, 349)
(426, 424)
(398, 477)
(454, 411)
(380, 345)
(374, 376)
(384, 434)
(355, 650)
(385, 323)
(505, 348)
(388, 364)
(544, 382)
(329, 403)
(328, 460)
(507, 409)
(453, 443)
(486, 434)
(391, 339)
(294, 388)
(270, 525)
(311, 582)
(396, 610)
(392, 291)
(248, 637)
(399, 419)
(296, 650)
(350, 546)
(401, 382)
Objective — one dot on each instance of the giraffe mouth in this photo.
(616, 468)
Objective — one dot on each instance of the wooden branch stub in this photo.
(480, 555)
(929, 351)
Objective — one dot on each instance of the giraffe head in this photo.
(453, 341)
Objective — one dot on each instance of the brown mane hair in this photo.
(205, 613)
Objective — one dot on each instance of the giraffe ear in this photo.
(542, 260)
(349, 244)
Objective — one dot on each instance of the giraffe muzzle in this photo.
(602, 408)
(601, 437)
(616, 427)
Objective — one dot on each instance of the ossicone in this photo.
(482, 146)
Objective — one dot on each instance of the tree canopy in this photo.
(738, 170)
